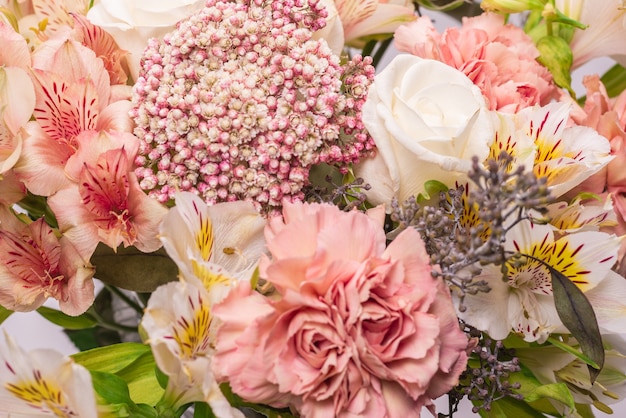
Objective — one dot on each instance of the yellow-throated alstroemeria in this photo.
(180, 328)
(43, 383)
(564, 155)
(522, 302)
(196, 235)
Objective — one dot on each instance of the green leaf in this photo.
(446, 7)
(142, 381)
(572, 350)
(556, 56)
(509, 408)
(4, 313)
(534, 391)
(110, 387)
(432, 188)
(37, 207)
(131, 269)
(68, 322)
(202, 410)
(614, 80)
(114, 391)
(579, 318)
(111, 358)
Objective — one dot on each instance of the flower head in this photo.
(239, 102)
(43, 383)
(354, 328)
(499, 58)
(35, 265)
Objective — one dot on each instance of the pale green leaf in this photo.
(111, 358)
(556, 56)
(142, 381)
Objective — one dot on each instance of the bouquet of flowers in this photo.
(257, 208)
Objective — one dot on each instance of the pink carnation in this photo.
(499, 58)
(354, 328)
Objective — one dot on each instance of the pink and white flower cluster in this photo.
(239, 102)
(353, 328)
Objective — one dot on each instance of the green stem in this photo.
(125, 298)
(381, 51)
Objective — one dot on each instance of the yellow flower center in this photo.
(41, 394)
(204, 238)
(192, 334)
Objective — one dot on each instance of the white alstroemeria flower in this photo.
(196, 235)
(605, 32)
(180, 330)
(43, 383)
(566, 156)
(575, 216)
(522, 302)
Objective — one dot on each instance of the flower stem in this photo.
(125, 298)
(111, 325)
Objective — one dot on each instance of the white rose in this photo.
(132, 23)
(428, 120)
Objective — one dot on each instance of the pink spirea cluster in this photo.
(239, 102)
(355, 327)
(501, 59)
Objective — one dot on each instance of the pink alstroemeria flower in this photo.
(35, 265)
(104, 202)
(74, 95)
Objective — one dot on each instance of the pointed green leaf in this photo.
(142, 381)
(4, 313)
(68, 322)
(556, 56)
(111, 358)
(579, 318)
(131, 269)
(110, 387)
(572, 350)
